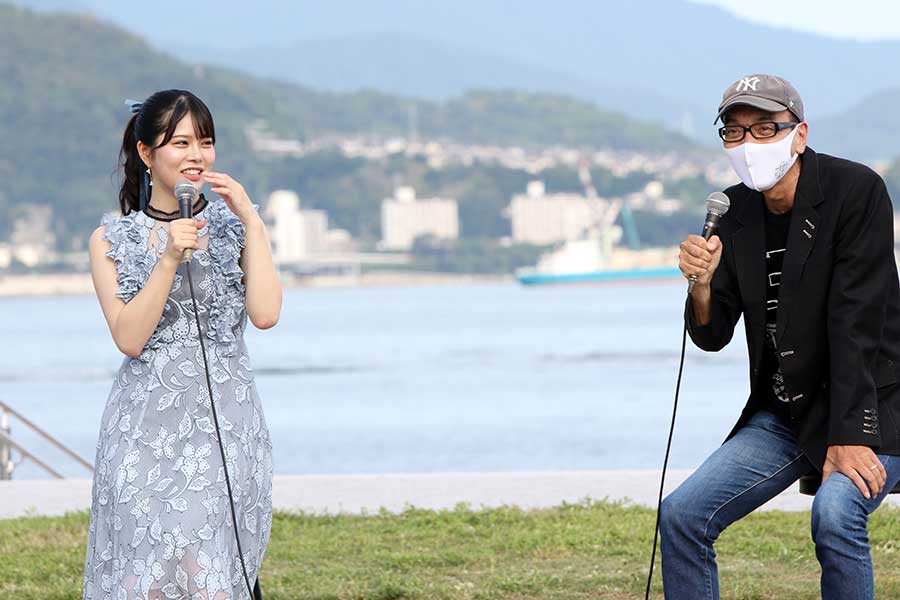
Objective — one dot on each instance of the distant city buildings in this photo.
(541, 218)
(440, 154)
(405, 218)
(264, 142)
(653, 198)
(301, 236)
(32, 241)
(537, 217)
(297, 233)
(6, 256)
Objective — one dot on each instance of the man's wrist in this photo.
(701, 295)
(701, 299)
(701, 289)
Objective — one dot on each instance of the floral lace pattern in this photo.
(160, 519)
(223, 283)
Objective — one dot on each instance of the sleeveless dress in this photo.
(160, 519)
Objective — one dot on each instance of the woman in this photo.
(161, 520)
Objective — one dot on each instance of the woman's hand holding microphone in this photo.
(183, 235)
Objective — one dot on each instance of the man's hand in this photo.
(860, 464)
(699, 257)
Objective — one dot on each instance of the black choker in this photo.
(161, 215)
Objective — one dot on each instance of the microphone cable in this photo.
(662, 479)
(717, 204)
(254, 591)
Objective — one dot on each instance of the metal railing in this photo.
(8, 444)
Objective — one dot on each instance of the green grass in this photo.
(589, 550)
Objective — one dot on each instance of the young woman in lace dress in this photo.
(161, 523)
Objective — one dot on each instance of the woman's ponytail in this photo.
(133, 168)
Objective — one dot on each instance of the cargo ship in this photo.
(598, 258)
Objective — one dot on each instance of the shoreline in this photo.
(79, 284)
(367, 494)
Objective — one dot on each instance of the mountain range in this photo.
(62, 114)
(666, 61)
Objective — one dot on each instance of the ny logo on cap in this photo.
(747, 83)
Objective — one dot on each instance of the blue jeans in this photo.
(755, 465)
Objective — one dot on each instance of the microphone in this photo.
(717, 204)
(186, 194)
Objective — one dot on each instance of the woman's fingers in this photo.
(185, 243)
(184, 233)
(213, 178)
(223, 184)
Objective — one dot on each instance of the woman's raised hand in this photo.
(234, 195)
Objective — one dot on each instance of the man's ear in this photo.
(800, 139)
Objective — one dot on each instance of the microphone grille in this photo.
(185, 188)
(717, 203)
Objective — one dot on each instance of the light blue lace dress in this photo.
(160, 522)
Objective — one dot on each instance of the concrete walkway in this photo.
(368, 493)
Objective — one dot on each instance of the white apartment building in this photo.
(32, 240)
(296, 233)
(541, 218)
(404, 218)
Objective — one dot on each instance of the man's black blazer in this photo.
(838, 327)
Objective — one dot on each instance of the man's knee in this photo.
(838, 512)
(676, 517)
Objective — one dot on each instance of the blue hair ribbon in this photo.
(134, 105)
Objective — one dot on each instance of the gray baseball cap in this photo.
(766, 92)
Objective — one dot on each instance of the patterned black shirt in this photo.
(771, 380)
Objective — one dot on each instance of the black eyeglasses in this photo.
(760, 131)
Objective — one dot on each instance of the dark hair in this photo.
(158, 115)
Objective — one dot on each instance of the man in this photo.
(806, 255)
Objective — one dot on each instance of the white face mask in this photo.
(761, 166)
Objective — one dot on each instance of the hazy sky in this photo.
(868, 20)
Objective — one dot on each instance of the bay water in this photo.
(488, 377)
